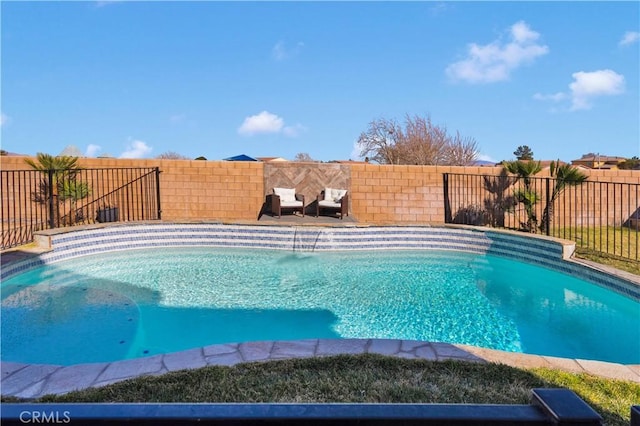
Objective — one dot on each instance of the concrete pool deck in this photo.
(36, 380)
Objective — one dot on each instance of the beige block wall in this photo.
(402, 193)
(211, 190)
(222, 190)
(192, 189)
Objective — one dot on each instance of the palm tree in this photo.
(63, 184)
(524, 170)
(62, 168)
(60, 163)
(565, 175)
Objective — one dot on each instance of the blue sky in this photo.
(137, 79)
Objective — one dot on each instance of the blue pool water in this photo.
(130, 304)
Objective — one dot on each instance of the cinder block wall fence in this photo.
(193, 190)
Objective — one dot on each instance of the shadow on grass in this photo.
(363, 379)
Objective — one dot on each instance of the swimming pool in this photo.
(133, 303)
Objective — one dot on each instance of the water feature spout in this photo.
(306, 239)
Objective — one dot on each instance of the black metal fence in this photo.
(35, 200)
(599, 216)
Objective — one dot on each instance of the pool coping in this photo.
(34, 380)
(31, 381)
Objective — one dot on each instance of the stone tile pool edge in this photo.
(36, 380)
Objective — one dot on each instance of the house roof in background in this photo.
(241, 157)
(270, 159)
(599, 158)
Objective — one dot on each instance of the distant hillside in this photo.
(484, 163)
(14, 154)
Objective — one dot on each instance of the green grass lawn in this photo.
(615, 262)
(365, 379)
(618, 247)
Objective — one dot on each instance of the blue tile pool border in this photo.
(543, 251)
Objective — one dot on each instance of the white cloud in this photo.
(555, 97)
(485, 157)
(177, 118)
(355, 152)
(495, 61)
(4, 119)
(264, 122)
(293, 131)
(280, 51)
(92, 150)
(629, 37)
(589, 85)
(136, 149)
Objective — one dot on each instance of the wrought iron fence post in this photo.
(447, 201)
(52, 220)
(548, 208)
(158, 192)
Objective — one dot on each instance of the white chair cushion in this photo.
(286, 195)
(291, 204)
(325, 203)
(334, 195)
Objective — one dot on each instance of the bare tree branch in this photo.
(420, 142)
(379, 141)
(303, 157)
(462, 151)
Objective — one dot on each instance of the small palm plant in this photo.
(63, 184)
(527, 196)
(62, 168)
(565, 175)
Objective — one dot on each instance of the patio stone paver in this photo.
(384, 346)
(255, 351)
(564, 364)
(411, 345)
(341, 346)
(635, 368)
(72, 378)
(226, 359)
(26, 377)
(447, 351)
(32, 381)
(212, 350)
(131, 368)
(514, 359)
(614, 371)
(426, 352)
(294, 349)
(193, 358)
(32, 391)
(8, 368)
